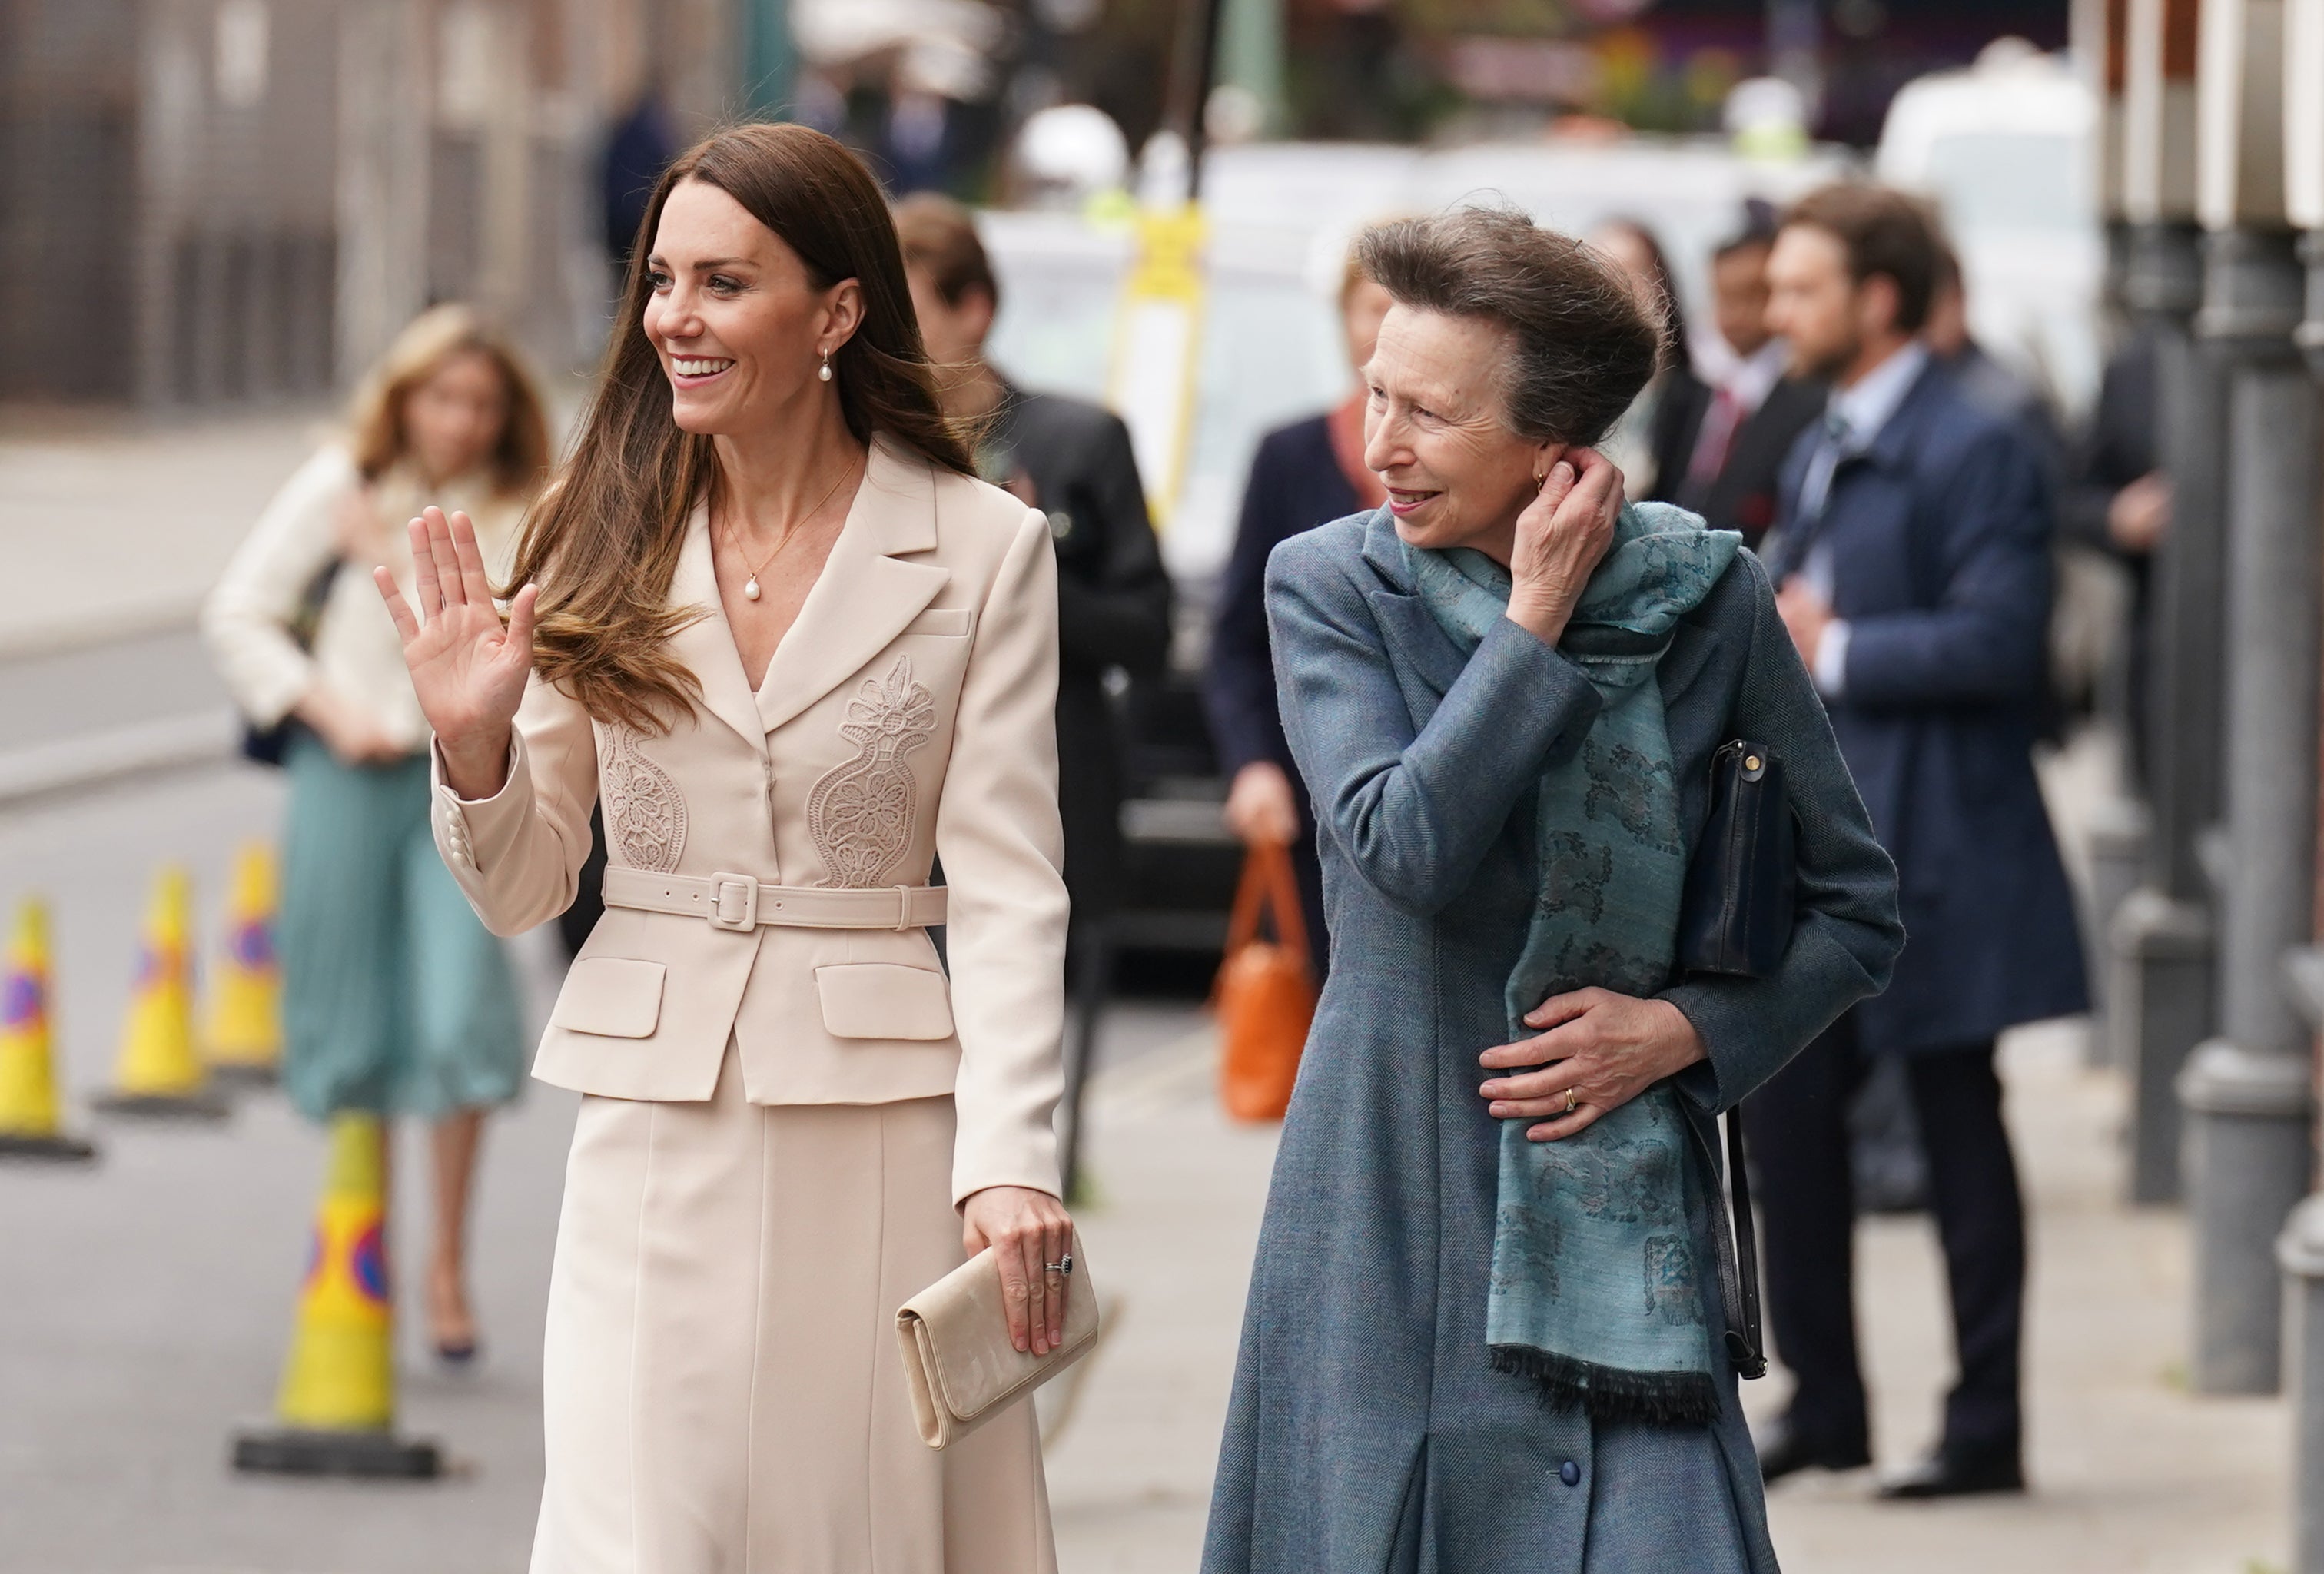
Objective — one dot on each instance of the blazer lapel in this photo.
(866, 594)
(1411, 629)
(706, 645)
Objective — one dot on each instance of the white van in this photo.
(2004, 148)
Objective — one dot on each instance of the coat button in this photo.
(1570, 1473)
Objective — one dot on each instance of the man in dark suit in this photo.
(1913, 561)
(1757, 409)
(1074, 460)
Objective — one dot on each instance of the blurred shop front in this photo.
(217, 202)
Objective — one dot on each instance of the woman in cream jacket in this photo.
(770, 622)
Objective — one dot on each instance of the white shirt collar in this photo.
(1872, 401)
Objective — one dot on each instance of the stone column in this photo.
(2160, 993)
(2300, 1251)
(2246, 1092)
(2301, 1254)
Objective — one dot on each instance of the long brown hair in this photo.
(604, 542)
(375, 435)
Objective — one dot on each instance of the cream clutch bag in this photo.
(958, 1362)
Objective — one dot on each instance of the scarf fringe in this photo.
(1611, 1393)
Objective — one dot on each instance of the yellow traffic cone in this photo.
(338, 1402)
(29, 1126)
(158, 1072)
(244, 1038)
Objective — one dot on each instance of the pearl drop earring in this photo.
(825, 374)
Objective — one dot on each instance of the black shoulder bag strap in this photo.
(1747, 1347)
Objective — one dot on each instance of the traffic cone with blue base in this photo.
(244, 1038)
(158, 1072)
(29, 1124)
(337, 1407)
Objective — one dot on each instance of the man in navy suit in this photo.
(1912, 554)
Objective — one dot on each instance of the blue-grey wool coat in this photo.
(1368, 1430)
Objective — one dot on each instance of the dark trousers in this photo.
(1799, 1143)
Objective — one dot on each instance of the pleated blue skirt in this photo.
(396, 1000)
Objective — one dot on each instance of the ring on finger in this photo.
(1569, 1101)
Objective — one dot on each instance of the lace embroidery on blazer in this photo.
(645, 814)
(860, 814)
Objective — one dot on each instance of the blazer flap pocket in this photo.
(941, 621)
(611, 996)
(883, 999)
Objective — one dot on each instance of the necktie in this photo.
(1720, 424)
(1799, 534)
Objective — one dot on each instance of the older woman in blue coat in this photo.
(1485, 1330)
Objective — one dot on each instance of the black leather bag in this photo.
(1736, 915)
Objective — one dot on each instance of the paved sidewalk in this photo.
(112, 525)
(2131, 1472)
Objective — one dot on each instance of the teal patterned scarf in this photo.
(1595, 1290)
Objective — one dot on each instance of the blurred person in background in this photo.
(1073, 461)
(2115, 498)
(798, 650)
(1913, 561)
(395, 999)
(637, 150)
(1487, 1329)
(1757, 407)
(1984, 381)
(1304, 475)
(1655, 441)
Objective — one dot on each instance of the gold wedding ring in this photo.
(1569, 1100)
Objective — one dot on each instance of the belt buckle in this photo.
(723, 885)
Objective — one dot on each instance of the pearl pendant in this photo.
(750, 587)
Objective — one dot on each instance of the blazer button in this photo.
(1570, 1473)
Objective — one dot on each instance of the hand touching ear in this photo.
(1562, 536)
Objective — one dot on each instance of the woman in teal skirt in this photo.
(395, 998)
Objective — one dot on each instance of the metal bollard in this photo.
(2246, 1091)
(2300, 1251)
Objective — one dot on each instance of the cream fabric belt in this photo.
(738, 902)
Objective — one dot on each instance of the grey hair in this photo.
(1583, 343)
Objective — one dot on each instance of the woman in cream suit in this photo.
(768, 620)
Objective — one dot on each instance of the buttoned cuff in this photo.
(472, 833)
(1830, 672)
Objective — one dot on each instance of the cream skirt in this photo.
(723, 1391)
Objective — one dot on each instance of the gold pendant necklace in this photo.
(751, 586)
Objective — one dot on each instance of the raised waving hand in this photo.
(467, 668)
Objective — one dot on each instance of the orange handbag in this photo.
(1264, 995)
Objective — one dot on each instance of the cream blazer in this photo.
(928, 644)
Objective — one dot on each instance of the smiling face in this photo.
(1435, 431)
(739, 326)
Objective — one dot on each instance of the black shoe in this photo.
(1784, 1449)
(1959, 1473)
